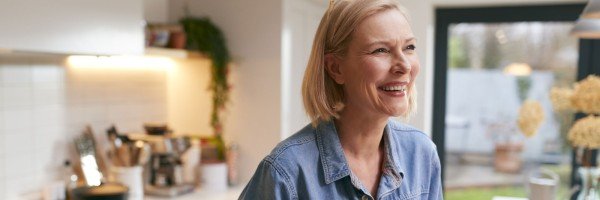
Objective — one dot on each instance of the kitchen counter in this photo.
(231, 194)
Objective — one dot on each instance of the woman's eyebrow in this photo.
(384, 42)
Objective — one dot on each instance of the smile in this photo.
(394, 88)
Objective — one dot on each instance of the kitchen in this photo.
(68, 64)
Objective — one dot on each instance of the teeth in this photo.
(394, 88)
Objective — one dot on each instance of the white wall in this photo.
(156, 11)
(253, 33)
(301, 20)
(189, 101)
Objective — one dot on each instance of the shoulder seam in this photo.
(280, 150)
(287, 182)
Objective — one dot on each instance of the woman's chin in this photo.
(397, 110)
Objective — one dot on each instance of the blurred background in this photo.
(182, 99)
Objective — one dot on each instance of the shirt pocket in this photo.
(416, 195)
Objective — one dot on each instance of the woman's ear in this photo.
(332, 67)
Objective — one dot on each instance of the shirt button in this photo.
(365, 197)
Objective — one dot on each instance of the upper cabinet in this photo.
(96, 27)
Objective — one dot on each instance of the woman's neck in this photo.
(360, 134)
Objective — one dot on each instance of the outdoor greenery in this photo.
(491, 46)
(478, 193)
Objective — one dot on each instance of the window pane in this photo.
(487, 154)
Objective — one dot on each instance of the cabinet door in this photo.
(100, 27)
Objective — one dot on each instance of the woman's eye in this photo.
(380, 50)
(411, 47)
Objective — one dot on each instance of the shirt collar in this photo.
(334, 162)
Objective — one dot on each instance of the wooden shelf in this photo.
(174, 53)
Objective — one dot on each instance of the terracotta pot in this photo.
(178, 40)
(508, 157)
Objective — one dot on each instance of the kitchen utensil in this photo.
(144, 155)
(124, 153)
(86, 148)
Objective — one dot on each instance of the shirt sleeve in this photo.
(268, 182)
(435, 187)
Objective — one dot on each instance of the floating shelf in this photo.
(174, 53)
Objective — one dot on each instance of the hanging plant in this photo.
(205, 37)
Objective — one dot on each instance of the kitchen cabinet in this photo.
(93, 27)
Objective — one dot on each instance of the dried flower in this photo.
(586, 132)
(586, 96)
(531, 116)
(561, 98)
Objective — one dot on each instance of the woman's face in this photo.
(380, 65)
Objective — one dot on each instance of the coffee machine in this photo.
(164, 172)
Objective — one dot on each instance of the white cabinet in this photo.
(98, 27)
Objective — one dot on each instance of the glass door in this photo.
(493, 70)
(492, 66)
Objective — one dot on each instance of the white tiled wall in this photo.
(44, 103)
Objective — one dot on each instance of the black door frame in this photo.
(589, 50)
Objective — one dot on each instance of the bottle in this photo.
(70, 179)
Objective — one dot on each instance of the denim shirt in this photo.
(311, 165)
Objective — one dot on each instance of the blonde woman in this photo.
(361, 73)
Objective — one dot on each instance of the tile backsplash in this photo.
(44, 104)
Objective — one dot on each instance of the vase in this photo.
(589, 183)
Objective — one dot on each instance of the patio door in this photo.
(489, 63)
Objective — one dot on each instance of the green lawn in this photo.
(486, 193)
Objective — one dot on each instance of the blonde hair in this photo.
(323, 97)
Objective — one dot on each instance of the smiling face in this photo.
(378, 69)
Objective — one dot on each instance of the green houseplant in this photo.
(207, 38)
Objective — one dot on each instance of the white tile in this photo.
(18, 165)
(17, 75)
(49, 85)
(3, 187)
(18, 142)
(16, 119)
(21, 185)
(2, 173)
(2, 151)
(50, 115)
(49, 160)
(47, 73)
(50, 137)
(48, 97)
(16, 96)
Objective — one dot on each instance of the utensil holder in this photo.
(132, 178)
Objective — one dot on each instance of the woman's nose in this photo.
(401, 65)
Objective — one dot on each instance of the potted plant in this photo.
(207, 38)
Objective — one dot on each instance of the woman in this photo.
(361, 72)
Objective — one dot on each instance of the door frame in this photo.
(539, 13)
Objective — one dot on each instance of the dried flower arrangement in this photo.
(531, 116)
(585, 98)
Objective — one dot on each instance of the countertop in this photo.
(231, 194)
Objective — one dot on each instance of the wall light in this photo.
(121, 62)
(588, 24)
(518, 69)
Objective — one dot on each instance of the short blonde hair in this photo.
(323, 97)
